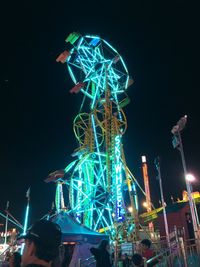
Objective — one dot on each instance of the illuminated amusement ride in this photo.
(102, 190)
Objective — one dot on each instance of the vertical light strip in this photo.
(57, 198)
(127, 80)
(97, 147)
(25, 226)
(79, 198)
(118, 178)
(62, 197)
(135, 196)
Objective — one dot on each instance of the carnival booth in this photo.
(77, 239)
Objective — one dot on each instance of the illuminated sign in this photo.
(118, 178)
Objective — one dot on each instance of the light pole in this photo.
(177, 143)
(157, 164)
(190, 178)
(26, 217)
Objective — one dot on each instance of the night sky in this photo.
(158, 40)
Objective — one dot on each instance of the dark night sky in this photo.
(159, 41)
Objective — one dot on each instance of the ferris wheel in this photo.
(94, 64)
(98, 181)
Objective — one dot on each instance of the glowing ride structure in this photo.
(101, 187)
(147, 190)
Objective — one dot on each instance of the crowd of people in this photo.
(105, 259)
(42, 244)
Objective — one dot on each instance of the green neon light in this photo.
(72, 37)
(69, 167)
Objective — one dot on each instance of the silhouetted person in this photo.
(138, 260)
(101, 254)
(42, 242)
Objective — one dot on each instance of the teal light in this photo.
(92, 36)
(110, 46)
(79, 193)
(57, 198)
(106, 223)
(118, 178)
(26, 219)
(135, 197)
(80, 42)
(25, 225)
(127, 80)
(18, 225)
(69, 57)
(123, 64)
(86, 93)
(100, 213)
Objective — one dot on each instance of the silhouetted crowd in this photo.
(42, 248)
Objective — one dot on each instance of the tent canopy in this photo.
(72, 231)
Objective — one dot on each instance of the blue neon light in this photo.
(118, 178)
